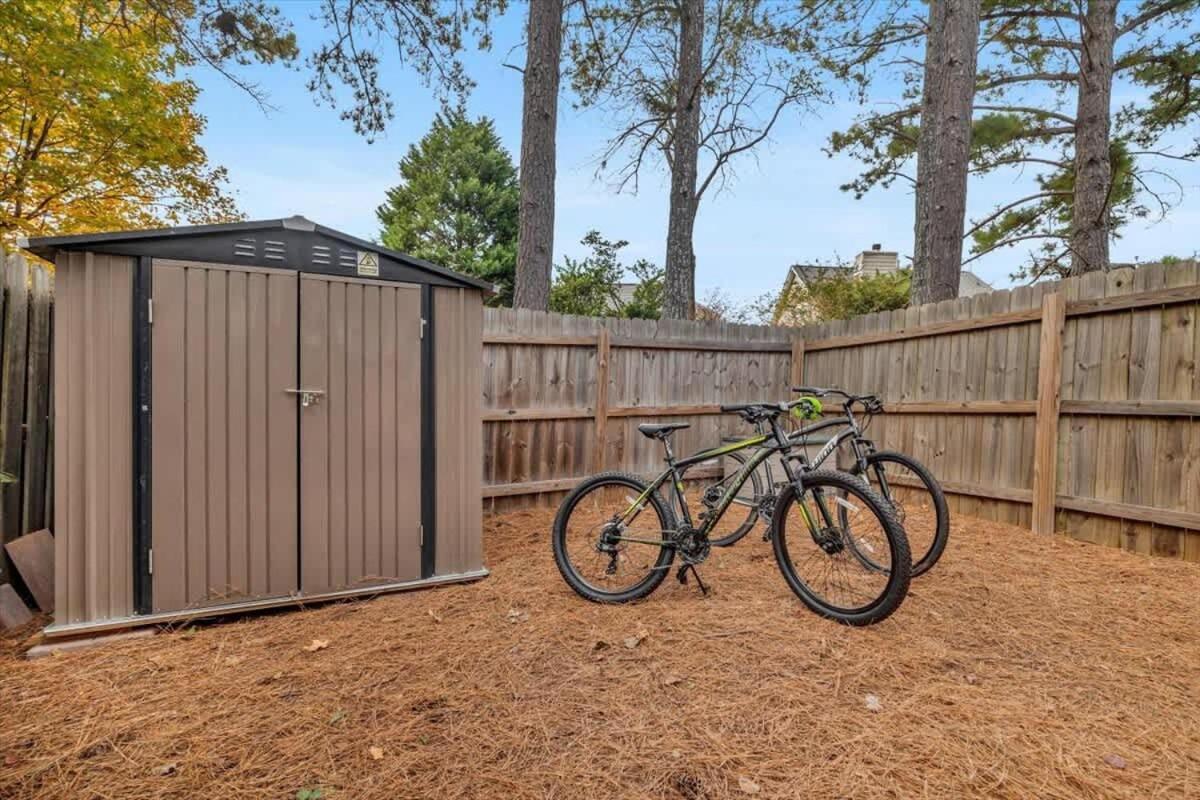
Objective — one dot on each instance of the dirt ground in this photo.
(1020, 668)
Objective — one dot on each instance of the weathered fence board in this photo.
(563, 395)
(25, 387)
(1120, 460)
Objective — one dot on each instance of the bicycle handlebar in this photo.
(761, 410)
(870, 403)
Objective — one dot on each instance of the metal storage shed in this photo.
(253, 414)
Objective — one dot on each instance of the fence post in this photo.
(601, 412)
(12, 397)
(1045, 443)
(797, 372)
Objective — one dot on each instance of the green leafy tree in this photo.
(591, 286)
(647, 300)
(456, 203)
(831, 297)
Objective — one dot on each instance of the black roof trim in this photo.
(168, 243)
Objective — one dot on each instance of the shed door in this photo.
(224, 440)
(360, 441)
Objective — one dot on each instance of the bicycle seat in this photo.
(663, 430)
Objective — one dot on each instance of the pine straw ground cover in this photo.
(1020, 668)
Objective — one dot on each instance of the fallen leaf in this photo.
(672, 680)
(337, 717)
(432, 614)
(633, 641)
(317, 644)
(972, 679)
(748, 786)
(1114, 761)
(873, 703)
(233, 661)
(166, 769)
(515, 616)
(376, 753)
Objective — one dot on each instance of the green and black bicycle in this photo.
(839, 545)
(909, 487)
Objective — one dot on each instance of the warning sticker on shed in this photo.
(368, 263)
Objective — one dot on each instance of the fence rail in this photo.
(1069, 405)
(563, 395)
(26, 428)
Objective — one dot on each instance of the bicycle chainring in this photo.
(692, 545)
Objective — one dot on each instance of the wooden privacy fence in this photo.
(563, 395)
(1068, 405)
(26, 431)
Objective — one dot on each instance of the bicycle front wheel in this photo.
(612, 538)
(819, 531)
(919, 503)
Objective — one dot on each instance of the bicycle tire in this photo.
(571, 575)
(752, 516)
(922, 562)
(898, 575)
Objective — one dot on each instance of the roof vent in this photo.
(274, 251)
(246, 248)
(322, 255)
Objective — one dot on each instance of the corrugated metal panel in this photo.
(224, 434)
(458, 336)
(361, 443)
(93, 449)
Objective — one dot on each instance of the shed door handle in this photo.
(308, 397)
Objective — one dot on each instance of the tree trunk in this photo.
(944, 149)
(539, 123)
(1093, 168)
(679, 289)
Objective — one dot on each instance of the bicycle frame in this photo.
(766, 444)
(860, 446)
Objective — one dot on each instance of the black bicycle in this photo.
(911, 489)
(839, 545)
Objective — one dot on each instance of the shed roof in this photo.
(289, 243)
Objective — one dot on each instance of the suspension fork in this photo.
(785, 447)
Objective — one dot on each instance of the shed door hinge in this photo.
(424, 322)
(149, 310)
(150, 561)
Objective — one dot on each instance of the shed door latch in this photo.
(150, 561)
(424, 322)
(308, 397)
(149, 310)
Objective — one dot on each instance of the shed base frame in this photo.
(56, 631)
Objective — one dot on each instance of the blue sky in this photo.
(784, 207)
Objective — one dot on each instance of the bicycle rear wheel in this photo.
(743, 512)
(612, 538)
(818, 532)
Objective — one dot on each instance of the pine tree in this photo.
(456, 203)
